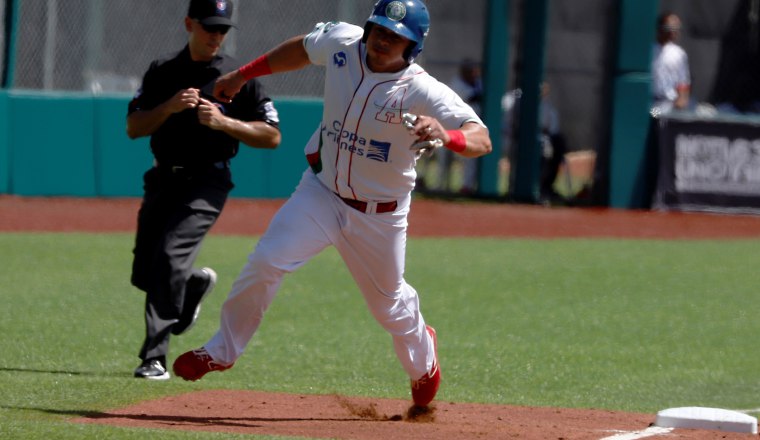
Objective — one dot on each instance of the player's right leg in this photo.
(299, 230)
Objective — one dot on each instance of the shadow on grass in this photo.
(67, 373)
(244, 422)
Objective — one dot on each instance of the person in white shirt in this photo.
(552, 140)
(468, 84)
(671, 79)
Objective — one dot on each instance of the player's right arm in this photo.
(145, 122)
(288, 55)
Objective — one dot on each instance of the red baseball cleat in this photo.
(196, 363)
(425, 388)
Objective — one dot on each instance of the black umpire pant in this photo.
(178, 209)
(551, 162)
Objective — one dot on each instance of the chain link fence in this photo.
(104, 46)
(3, 5)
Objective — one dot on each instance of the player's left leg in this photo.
(374, 251)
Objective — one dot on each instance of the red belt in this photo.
(382, 207)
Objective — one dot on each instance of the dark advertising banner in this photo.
(708, 165)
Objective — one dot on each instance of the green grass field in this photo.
(631, 325)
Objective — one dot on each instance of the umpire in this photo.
(192, 137)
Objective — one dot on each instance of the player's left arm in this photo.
(476, 140)
(470, 140)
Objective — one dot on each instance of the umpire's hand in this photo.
(210, 115)
(183, 100)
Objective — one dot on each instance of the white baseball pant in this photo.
(373, 248)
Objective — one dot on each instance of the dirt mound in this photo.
(360, 418)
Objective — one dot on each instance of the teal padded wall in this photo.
(527, 166)
(636, 34)
(120, 161)
(51, 137)
(495, 72)
(76, 145)
(631, 161)
(5, 152)
(299, 119)
(275, 173)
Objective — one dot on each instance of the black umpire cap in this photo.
(212, 12)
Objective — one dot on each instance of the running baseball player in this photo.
(356, 193)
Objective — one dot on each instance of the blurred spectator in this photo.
(671, 79)
(468, 85)
(552, 141)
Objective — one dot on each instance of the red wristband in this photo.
(457, 143)
(257, 67)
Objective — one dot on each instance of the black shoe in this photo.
(152, 369)
(195, 293)
(551, 198)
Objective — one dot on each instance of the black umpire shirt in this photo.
(182, 140)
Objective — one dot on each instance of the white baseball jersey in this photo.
(361, 150)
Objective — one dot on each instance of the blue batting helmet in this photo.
(408, 18)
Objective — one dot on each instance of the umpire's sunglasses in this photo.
(214, 28)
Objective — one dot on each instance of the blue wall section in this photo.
(275, 173)
(5, 152)
(631, 161)
(76, 145)
(120, 161)
(52, 145)
(636, 35)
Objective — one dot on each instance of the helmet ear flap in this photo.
(409, 52)
(367, 30)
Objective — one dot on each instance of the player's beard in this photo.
(382, 60)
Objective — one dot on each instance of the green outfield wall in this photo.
(76, 145)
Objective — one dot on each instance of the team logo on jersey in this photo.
(339, 59)
(395, 11)
(353, 143)
(390, 111)
(378, 151)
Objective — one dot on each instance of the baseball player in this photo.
(356, 193)
(192, 137)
